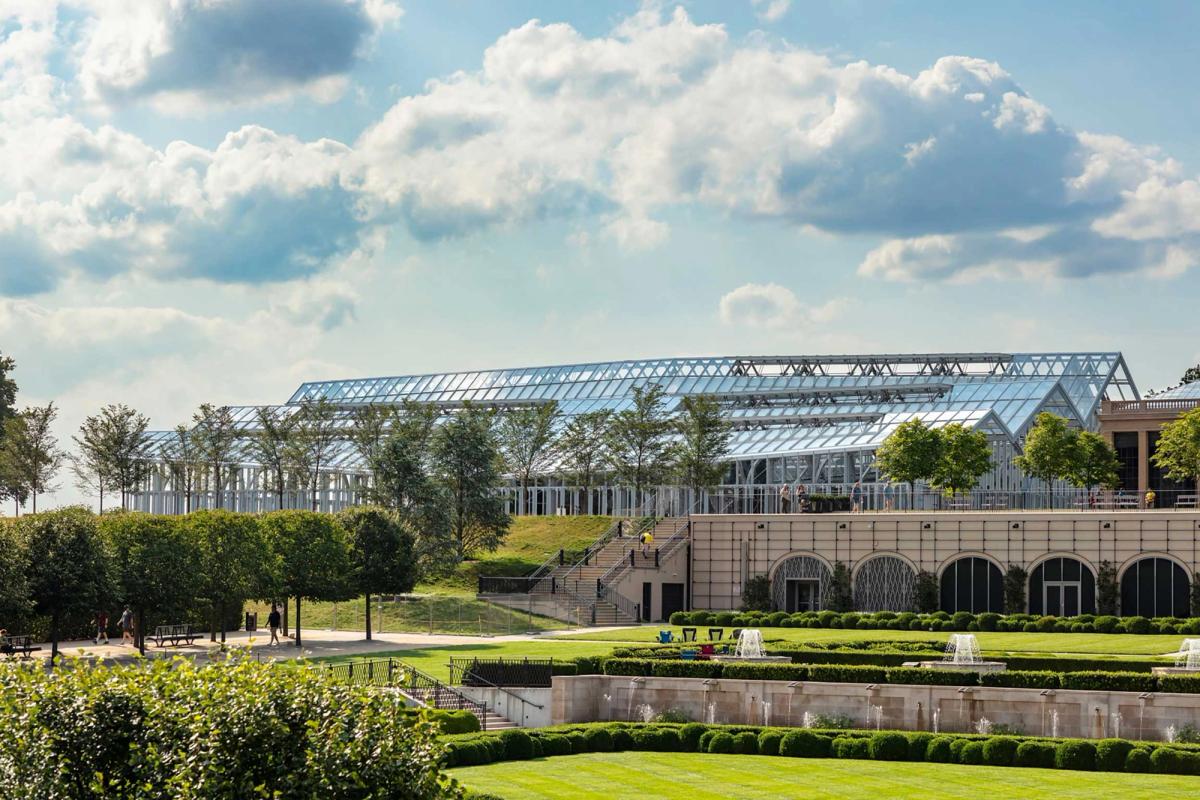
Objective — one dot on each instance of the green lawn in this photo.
(610, 776)
(435, 660)
(1116, 644)
(438, 613)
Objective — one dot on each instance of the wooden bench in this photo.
(17, 645)
(175, 634)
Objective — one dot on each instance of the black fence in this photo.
(528, 672)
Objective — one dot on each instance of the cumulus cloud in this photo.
(185, 53)
(769, 305)
(771, 10)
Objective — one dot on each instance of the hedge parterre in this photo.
(939, 621)
(1111, 755)
(842, 673)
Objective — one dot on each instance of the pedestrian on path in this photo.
(273, 623)
(101, 627)
(889, 497)
(126, 624)
(647, 539)
(856, 497)
(785, 499)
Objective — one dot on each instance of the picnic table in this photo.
(17, 645)
(175, 634)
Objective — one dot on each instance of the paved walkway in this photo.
(316, 644)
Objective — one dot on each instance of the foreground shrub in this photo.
(745, 743)
(889, 747)
(579, 742)
(971, 753)
(917, 745)
(999, 751)
(1074, 754)
(1138, 760)
(938, 750)
(689, 736)
(768, 743)
(517, 745)
(851, 747)
(721, 743)
(238, 729)
(1034, 754)
(1111, 754)
(804, 744)
(556, 745)
(1165, 760)
(599, 740)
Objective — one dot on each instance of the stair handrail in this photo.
(423, 681)
(635, 529)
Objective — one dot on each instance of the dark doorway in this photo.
(1062, 587)
(672, 599)
(647, 597)
(802, 594)
(972, 584)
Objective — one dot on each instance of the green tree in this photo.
(966, 456)
(214, 437)
(1190, 375)
(1178, 451)
(639, 446)
(369, 429)
(584, 448)
(269, 446)
(1015, 579)
(182, 464)
(702, 443)
(1051, 449)
(381, 553)
(1096, 463)
(841, 594)
(113, 449)
(526, 440)
(14, 587)
(756, 594)
(67, 567)
(154, 564)
(465, 466)
(313, 554)
(234, 563)
(29, 451)
(403, 485)
(909, 454)
(314, 442)
(1108, 591)
(926, 593)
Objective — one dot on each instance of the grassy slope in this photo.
(1097, 644)
(435, 660)
(530, 541)
(609, 776)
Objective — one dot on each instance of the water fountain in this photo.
(645, 712)
(936, 716)
(1171, 733)
(1054, 723)
(983, 726)
(766, 712)
(750, 648)
(1116, 725)
(711, 715)
(1187, 660)
(807, 720)
(962, 653)
(877, 713)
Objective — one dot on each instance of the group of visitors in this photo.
(125, 623)
(798, 501)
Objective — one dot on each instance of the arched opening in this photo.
(884, 583)
(1062, 587)
(800, 583)
(1155, 587)
(972, 584)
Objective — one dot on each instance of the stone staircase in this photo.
(445, 697)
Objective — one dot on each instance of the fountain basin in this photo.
(1174, 671)
(961, 666)
(755, 659)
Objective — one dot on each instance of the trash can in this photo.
(251, 622)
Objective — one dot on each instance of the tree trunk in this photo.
(297, 620)
(212, 624)
(34, 502)
(222, 622)
(53, 638)
(368, 617)
(140, 633)
(284, 620)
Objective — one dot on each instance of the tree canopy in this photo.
(702, 444)
(313, 554)
(29, 454)
(465, 466)
(910, 453)
(638, 444)
(1050, 450)
(1178, 451)
(526, 440)
(234, 558)
(1095, 462)
(381, 553)
(965, 457)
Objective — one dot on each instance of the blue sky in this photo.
(212, 201)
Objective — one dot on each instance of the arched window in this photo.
(1062, 587)
(884, 583)
(972, 584)
(1155, 587)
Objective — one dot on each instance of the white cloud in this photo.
(771, 10)
(187, 54)
(1156, 209)
(769, 305)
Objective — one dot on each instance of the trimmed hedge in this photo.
(939, 621)
(889, 747)
(1074, 754)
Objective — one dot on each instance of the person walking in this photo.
(856, 497)
(126, 624)
(647, 539)
(801, 498)
(785, 499)
(273, 624)
(101, 627)
(889, 497)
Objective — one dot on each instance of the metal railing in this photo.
(526, 672)
(411, 682)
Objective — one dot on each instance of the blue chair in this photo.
(665, 637)
(687, 655)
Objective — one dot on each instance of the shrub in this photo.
(1184, 684)
(724, 619)
(956, 747)
(851, 747)
(599, 740)
(517, 745)
(971, 753)
(668, 740)
(721, 743)
(622, 739)
(932, 677)
(1110, 681)
(554, 744)
(917, 745)
(777, 619)
(670, 668)
(765, 672)
(1136, 625)
(1165, 760)
(680, 618)
(768, 743)
(804, 744)
(675, 715)
(847, 674)
(999, 751)
(690, 734)
(455, 721)
(756, 594)
(1046, 624)
(1075, 754)
(1022, 679)
(1106, 624)
(705, 738)
(538, 752)
(988, 621)
(745, 743)
(961, 619)
(629, 666)
(938, 750)
(851, 620)
(579, 742)
(1034, 754)
(1138, 760)
(826, 618)
(1030, 627)
(702, 618)
(1111, 754)
(889, 747)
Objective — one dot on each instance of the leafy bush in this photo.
(1075, 754)
(599, 740)
(690, 734)
(705, 738)
(1138, 760)
(1111, 754)
(988, 621)
(749, 671)
(1022, 679)
(721, 743)
(724, 619)
(956, 746)
(686, 669)
(971, 753)
(517, 745)
(756, 595)
(579, 742)
(680, 618)
(847, 674)
(1106, 624)
(889, 747)
(768, 743)
(622, 739)
(999, 751)
(454, 721)
(1165, 760)
(804, 744)
(675, 715)
(1110, 681)
(851, 747)
(1136, 625)
(628, 666)
(938, 750)
(1034, 754)
(1183, 684)
(555, 745)
(745, 743)
(917, 745)
(832, 721)
(932, 677)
